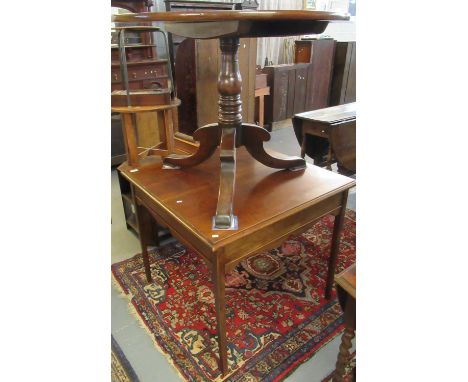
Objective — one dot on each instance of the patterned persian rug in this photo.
(121, 370)
(277, 317)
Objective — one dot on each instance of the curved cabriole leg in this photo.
(253, 137)
(208, 136)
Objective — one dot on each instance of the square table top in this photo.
(262, 197)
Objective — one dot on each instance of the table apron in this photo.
(273, 235)
(180, 231)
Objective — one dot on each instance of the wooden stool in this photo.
(135, 153)
(346, 290)
(261, 93)
(332, 129)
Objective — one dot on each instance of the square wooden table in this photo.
(270, 204)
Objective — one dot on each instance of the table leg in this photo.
(224, 218)
(144, 229)
(335, 244)
(220, 304)
(253, 137)
(130, 138)
(261, 110)
(169, 130)
(209, 137)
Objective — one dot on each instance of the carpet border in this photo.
(141, 323)
(133, 310)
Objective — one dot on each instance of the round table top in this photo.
(246, 23)
(245, 15)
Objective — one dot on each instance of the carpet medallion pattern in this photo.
(276, 314)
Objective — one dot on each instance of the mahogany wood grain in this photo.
(253, 138)
(229, 27)
(230, 15)
(268, 212)
(209, 137)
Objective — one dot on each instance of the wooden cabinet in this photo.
(320, 54)
(302, 86)
(344, 74)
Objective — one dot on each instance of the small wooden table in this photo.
(261, 93)
(337, 125)
(135, 153)
(230, 133)
(346, 290)
(271, 205)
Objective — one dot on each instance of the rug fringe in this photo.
(119, 289)
(133, 311)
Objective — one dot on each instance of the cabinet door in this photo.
(291, 92)
(280, 96)
(320, 74)
(300, 89)
(350, 89)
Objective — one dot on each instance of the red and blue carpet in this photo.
(277, 317)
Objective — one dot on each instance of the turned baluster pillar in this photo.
(230, 123)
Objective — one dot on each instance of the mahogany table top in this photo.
(262, 15)
(263, 195)
(246, 23)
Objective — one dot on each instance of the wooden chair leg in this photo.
(261, 110)
(144, 230)
(169, 129)
(335, 245)
(130, 139)
(220, 304)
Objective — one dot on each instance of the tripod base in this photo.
(210, 137)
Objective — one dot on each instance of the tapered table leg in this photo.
(144, 230)
(335, 244)
(220, 304)
(253, 137)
